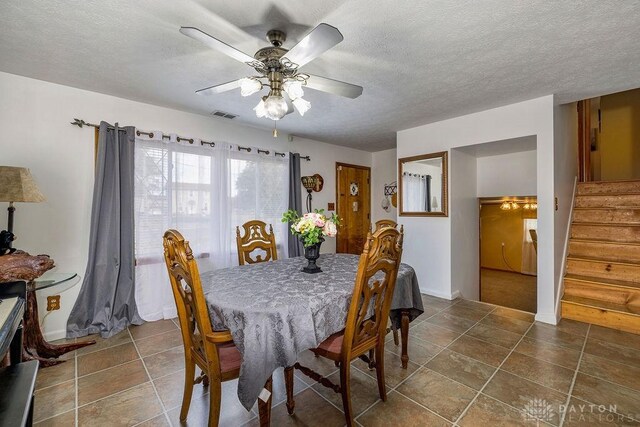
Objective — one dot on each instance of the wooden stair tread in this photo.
(600, 281)
(604, 242)
(607, 224)
(600, 260)
(609, 182)
(602, 305)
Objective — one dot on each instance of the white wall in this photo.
(464, 217)
(35, 116)
(384, 170)
(512, 174)
(565, 159)
(428, 242)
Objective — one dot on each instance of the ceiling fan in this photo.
(279, 70)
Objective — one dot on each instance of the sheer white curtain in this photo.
(529, 256)
(203, 192)
(414, 192)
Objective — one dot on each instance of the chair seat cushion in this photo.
(333, 344)
(230, 357)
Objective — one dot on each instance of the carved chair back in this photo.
(256, 238)
(193, 314)
(373, 291)
(385, 223)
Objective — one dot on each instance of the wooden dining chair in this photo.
(256, 238)
(213, 352)
(385, 223)
(366, 325)
(382, 224)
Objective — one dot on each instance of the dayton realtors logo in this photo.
(538, 410)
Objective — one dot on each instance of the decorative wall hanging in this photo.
(354, 189)
(390, 198)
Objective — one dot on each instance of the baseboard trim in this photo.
(438, 294)
(550, 318)
(55, 335)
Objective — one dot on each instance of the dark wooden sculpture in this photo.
(20, 266)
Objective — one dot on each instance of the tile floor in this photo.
(472, 364)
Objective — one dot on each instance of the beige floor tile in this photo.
(451, 321)
(102, 343)
(536, 370)
(548, 352)
(311, 410)
(519, 392)
(400, 411)
(152, 328)
(469, 313)
(601, 392)
(127, 408)
(485, 352)
(158, 343)
(418, 351)
(555, 336)
(170, 389)
(434, 334)
(609, 370)
(159, 421)
(436, 303)
(486, 411)
(57, 374)
(442, 395)
(54, 400)
(476, 305)
(613, 352)
(364, 391)
(510, 324)
(67, 419)
(624, 339)
(494, 336)
(583, 414)
(461, 368)
(107, 358)
(515, 314)
(321, 365)
(164, 363)
(394, 373)
(109, 381)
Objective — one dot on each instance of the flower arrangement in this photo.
(312, 227)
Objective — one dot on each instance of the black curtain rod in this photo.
(82, 123)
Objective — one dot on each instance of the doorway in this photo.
(508, 252)
(353, 197)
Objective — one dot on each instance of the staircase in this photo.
(602, 283)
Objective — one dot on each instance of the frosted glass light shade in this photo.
(260, 109)
(249, 86)
(301, 105)
(293, 89)
(275, 107)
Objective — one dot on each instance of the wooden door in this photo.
(353, 195)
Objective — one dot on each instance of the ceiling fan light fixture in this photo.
(275, 107)
(301, 105)
(249, 86)
(293, 89)
(260, 109)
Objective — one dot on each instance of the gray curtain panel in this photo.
(295, 201)
(106, 303)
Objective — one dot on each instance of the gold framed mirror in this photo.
(422, 185)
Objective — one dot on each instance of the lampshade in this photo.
(249, 86)
(17, 185)
(276, 107)
(301, 105)
(293, 89)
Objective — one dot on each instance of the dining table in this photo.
(275, 312)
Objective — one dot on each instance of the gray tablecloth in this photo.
(275, 312)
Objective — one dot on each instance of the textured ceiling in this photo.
(418, 61)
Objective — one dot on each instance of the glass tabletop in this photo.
(54, 278)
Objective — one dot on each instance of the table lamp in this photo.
(16, 185)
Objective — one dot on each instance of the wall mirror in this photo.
(423, 185)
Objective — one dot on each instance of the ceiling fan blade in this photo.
(218, 45)
(319, 40)
(335, 87)
(224, 87)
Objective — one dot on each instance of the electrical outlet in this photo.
(53, 302)
(331, 207)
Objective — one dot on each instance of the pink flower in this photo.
(330, 229)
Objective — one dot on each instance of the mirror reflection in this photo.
(423, 185)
